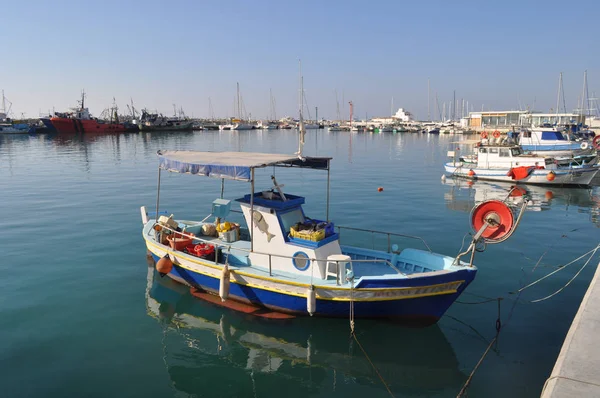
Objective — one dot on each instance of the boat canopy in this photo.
(232, 165)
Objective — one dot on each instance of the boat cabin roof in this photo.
(232, 165)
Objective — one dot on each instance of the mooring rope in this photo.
(353, 335)
(560, 268)
(570, 280)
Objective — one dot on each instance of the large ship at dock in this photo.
(79, 120)
(155, 121)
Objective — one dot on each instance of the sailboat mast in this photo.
(239, 109)
(428, 102)
(558, 95)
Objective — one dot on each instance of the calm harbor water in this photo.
(83, 315)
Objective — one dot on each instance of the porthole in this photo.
(301, 261)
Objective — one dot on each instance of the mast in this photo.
(351, 111)
(301, 128)
(428, 102)
(239, 109)
(453, 107)
(560, 83)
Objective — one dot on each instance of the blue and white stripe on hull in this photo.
(402, 298)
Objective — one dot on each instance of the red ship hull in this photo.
(69, 125)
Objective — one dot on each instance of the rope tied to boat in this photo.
(353, 336)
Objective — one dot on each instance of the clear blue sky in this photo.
(495, 53)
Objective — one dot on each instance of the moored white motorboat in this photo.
(548, 141)
(507, 162)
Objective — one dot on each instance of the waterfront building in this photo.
(507, 119)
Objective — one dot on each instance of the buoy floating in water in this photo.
(311, 300)
(380, 189)
(224, 283)
(164, 265)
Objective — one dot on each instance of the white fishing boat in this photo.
(503, 161)
(548, 141)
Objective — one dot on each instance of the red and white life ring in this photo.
(484, 134)
(596, 142)
(496, 134)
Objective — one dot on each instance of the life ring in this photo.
(584, 145)
(496, 134)
(596, 142)
(484, 134)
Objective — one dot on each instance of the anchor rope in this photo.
(353, 335)
(463, 390)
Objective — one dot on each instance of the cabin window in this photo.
(504, 152)
(482, 150)
(493, 150)
(553, 135)
(291, 218)
(527, 134)
(515, 151)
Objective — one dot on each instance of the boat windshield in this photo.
(553, 135)
(291, 218)
(515, 151)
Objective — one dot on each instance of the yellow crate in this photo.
(313, 236)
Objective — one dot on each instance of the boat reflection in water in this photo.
(463, 195)
(210, 348)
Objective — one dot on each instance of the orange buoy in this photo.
(496, 134)
(164, 265)
(551, 176)
(484, 134)
(380, 189)
(471, 173)
(549, 195)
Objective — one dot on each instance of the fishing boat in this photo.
(157, 122)
(79, 120)
(548, 141)
(500, 160)
(286, 262)
(18, 128)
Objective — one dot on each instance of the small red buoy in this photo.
(380, 189)
(471, 173)
(164, 265)
(549, 195)
(551, 176)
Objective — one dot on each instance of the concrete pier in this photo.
(577, 369)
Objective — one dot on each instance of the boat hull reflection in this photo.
(201, 337)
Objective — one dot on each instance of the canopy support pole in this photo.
(252, 209)
(222, 187)
(327, 207)
(158, 195)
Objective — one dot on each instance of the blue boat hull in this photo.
(423, 310)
